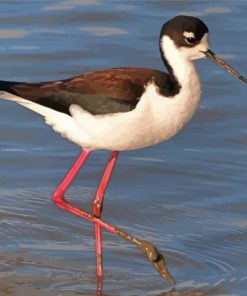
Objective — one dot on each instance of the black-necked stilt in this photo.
(122, 109)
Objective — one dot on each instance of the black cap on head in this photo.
(188, 31)
(177, 26)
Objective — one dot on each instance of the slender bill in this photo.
(212, 56)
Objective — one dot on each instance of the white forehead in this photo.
(188, 34)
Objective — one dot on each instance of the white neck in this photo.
(183, 68)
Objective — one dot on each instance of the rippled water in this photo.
(188, 196)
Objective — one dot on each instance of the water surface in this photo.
(187, 196)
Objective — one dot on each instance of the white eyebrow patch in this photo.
(188, 34)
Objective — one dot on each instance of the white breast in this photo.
(155, 119)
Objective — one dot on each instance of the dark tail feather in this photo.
(7, 86)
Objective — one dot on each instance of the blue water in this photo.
(187, 196)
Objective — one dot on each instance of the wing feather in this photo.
(62, 123)
(100, 92)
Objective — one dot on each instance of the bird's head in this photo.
(186, 38)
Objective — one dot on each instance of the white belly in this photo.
(155, 119)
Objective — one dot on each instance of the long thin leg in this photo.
(58, 195)
(148, 248)
(97, 209)
(60, 201)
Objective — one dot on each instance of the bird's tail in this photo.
(8, 93)
(11, 96)
(7, 86)
(61, 123)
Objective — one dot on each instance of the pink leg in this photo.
(58, 197)
(97, 209)
(60, 201)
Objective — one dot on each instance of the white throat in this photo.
(183, 68)
(180, 58)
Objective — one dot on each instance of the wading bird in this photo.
(122, 109)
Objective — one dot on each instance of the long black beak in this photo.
(213, 57)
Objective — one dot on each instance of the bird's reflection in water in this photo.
(222, 287)
(186, 292)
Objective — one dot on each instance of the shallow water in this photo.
(187, 196)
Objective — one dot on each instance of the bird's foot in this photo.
(152, 253)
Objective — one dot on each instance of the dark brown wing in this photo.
(100, 92)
